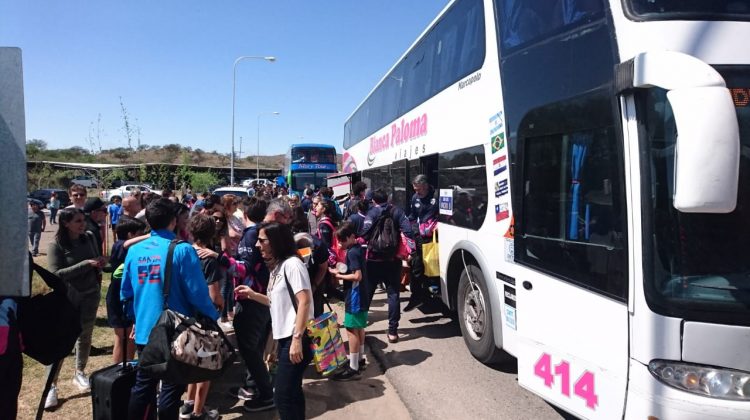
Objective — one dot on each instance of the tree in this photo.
(116, 174)
(126, 125)
(121, 153)
(202, 181)
(223, 159)
(34, 148)
(172, 150)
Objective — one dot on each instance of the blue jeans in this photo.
(227, 292)
(389, 273)
(143, 397)
(34, 238)
(288, 395)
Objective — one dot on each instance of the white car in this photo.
(86, 181)
(238, 191)
(125, 191)
(260, 181)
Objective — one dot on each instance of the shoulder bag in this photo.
(50, 324)
(182, 349)
(431, 256)
(324, 337)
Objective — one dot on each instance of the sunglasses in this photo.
(219, 219)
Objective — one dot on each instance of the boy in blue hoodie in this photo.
(142, 283)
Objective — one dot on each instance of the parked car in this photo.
(30, 200)
(238, 191)
(44, 194)
(260, 181)
(125, 191)
(86, 181)
(120, 182)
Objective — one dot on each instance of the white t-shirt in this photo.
(283, 315)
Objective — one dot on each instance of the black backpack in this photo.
(385, 237)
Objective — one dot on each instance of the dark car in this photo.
(44, 194)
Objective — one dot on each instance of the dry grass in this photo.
(73, 403)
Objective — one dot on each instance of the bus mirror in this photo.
(707, 152)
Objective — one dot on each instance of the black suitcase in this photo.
(110, 390)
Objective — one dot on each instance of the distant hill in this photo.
(171, 153)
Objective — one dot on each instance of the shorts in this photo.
(355, 320)
(115, 316)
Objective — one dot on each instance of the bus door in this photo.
(426, 165)
(570, 245)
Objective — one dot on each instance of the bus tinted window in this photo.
(399, 181)
(454, 48)
(688, 10)
(313, 155)
(379, 178)
(464, 171)
(571, 222)
(524, 21)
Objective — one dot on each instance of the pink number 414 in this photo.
(584, 386)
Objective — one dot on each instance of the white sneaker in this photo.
(211, 413)
(51, 401)
(81, 381)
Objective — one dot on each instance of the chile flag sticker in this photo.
(501, 212)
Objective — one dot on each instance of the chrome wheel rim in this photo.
(474, 314)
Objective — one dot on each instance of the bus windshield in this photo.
(305, 179)
(697, 266)
(313, 155)
(689, 10)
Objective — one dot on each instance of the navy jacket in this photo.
(422, 210)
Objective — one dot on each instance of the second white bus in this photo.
(592, 165)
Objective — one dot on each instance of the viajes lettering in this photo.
(401, 132)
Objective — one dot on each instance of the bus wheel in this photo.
(475, 316)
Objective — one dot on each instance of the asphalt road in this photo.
(437, 378)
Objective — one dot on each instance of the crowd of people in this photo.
(263, 265)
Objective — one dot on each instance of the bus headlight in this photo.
(712, 382)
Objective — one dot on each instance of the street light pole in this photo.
(257, 156)
(234, 90)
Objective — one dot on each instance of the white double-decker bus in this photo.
(592, 165)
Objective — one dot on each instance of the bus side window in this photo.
(571, 222)
(464, 172)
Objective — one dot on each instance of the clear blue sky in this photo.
(171, 62)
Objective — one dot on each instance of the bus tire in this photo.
(475, 316)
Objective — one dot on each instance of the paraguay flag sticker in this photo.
(500, 164)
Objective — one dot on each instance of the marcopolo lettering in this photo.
(471, 79)
(401, 132)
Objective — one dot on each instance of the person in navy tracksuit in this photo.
(387, 271)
